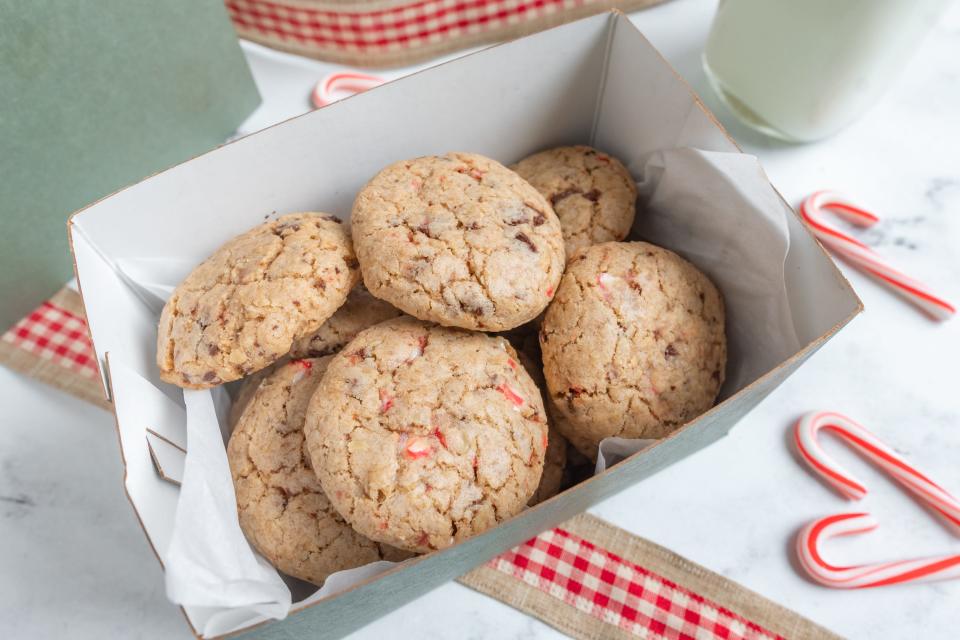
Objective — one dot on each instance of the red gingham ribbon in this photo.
(620, 592)
(57, 335)
(411, 24)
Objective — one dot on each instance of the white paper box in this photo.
(596, 81)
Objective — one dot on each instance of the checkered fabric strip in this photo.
(387, 29)
(620, 592)
(55, 334)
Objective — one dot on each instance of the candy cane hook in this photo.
(814, 211)
(866, 575)
(352, 82)
(860, 439)
(926, 490)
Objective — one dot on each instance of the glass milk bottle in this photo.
(803, 69)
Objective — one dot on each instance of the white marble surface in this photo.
(73, 562)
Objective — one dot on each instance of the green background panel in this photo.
(95, 96)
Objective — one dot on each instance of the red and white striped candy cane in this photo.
(814, 211)
(351, 82)
(864, 576)
(860, 439)
(926, 490)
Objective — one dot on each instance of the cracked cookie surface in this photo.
(423, 436)
(555, 460)
(248, 389)
(245, 305)
(633, 346)
(361, 310)
(459, 240)
(592, 193)
(282, 508)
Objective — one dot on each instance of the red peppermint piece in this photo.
(303, 369)
(512, 363)
(549, 292)
(603, 279)
(386, 401)
(474, 173)
(417, 448)
(511, 395)
(439, 436)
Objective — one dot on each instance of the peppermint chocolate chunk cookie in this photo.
(423, 436)
(555, 460)
(248, 389)
(244, 307)
(592, 193)
(459, 240)
(554, 464)
(283, 510)
(633, 345)
(361, 310)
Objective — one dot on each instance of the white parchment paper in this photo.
(209, 561)
(716, 209)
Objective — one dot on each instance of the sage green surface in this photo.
(95, 96)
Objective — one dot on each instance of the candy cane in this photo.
(866, 575)
(926, 490)
(813, 210)
(860, 439)
(353, 82)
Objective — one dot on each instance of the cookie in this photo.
(361, 310)
(577, 441)
(592, 193)
(459, 240)
(423, 436)
(282, 508)
(555, 460)
(554, 465)
(244, 306)
(248, 389)
(633, 346)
